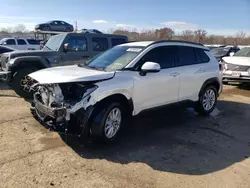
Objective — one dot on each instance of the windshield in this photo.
(115, 58)
(244, 52)
(54, 42)
(220, 51)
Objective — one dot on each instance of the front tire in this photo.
(207, 100)
(21, 82)
(108, 121)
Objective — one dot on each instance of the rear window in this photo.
(201, 56)
(33, 41)
(117, 41)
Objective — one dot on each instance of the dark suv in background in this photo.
(221, 52)
(61, 49)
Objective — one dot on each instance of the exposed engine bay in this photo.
(60, 102)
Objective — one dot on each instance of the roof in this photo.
(174, 42)
(144, 43)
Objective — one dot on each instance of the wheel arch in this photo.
(37, 62)
(211, 81)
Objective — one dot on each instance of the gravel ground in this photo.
(174, 148)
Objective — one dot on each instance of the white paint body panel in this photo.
(64, 74)
(237, 60)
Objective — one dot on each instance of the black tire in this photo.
(99, 118)
(200, 106)
(47, 28)
(16, 82)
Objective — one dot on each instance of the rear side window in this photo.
(99, 44)
(33, 41)
(117, 41)
(186, 56)
(10, 42)
(201, 56)
(21, 42)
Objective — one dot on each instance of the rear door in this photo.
(193, 67)
(79, 52)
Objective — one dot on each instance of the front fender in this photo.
(100, 96)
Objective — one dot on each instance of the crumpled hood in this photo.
(237, 60)
(66, 74)
(20, 53)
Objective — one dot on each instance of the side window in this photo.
(33, 42)
(117, 41)
(21, 42)
(201, 56)
(186, 56)
(164, 55)
(99, 44)
(10, 42)
(77, 43)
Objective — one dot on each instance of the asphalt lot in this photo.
(175, 148)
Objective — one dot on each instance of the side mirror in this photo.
(231, 54)
(150, 67)
(4, 43)
(67, 47)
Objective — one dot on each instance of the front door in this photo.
(78, 52)
(156, 89)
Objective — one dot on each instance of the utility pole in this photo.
(76, 29)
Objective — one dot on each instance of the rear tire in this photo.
(21, 83)
(207, 100)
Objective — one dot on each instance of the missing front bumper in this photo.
(60, 120)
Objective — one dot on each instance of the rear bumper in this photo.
(236, 79)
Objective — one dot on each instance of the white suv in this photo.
(97, 97)
(21, 43)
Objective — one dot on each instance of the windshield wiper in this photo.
(48, 48)
(90, 67)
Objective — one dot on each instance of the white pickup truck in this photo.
(21, 43)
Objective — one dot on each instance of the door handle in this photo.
(174, 74)
(202, 70)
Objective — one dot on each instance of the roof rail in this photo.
(182, 41)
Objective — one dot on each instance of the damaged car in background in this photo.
(97, 98)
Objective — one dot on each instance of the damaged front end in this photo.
(64, 107)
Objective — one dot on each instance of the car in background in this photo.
(20, 43)
(90, 31)
(221, 52)
(237, 67)
(55, 25)
(61, 49)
